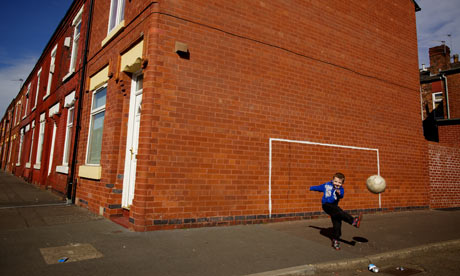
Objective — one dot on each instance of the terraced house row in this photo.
(173, 113)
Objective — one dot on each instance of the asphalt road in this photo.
(445, 262)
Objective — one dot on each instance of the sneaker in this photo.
(357, 221)
(335, 244)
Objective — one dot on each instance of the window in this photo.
(41, 136)
(51, 73)
(16, 114)
(53, 110)
(438, 105)
(68, 136)
(69, 102)
(31, 145)
(117, 11)
(11, 149)
(21, 140)
(27, 100)
(20, 110)
(76, 40)
(38, 87)
(96, 126)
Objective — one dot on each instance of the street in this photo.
(445, 262)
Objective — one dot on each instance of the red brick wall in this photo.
(444, 181)
(453, 82)
(250, 77)
(105, 193)
(450, 135)
(60, 87)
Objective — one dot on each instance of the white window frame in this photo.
(31, 145)
(21, 140)
(51, 112)
(27, 101)
(77, 21)
(11, 149)
(51, 71)
(94, 112)
(116, 15)
(16, 114)
(434, 100)
(68, 136)
(41, 136)
(64, 168)
(20, 111)
(38, 87)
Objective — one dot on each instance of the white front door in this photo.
(129, 178)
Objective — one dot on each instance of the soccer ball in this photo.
(376, 184)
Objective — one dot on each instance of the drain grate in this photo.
(395, 271)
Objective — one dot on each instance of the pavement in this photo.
(41, 235)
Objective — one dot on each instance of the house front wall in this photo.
(245, 107)
(100, 185)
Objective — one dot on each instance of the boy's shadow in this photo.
(327, 232)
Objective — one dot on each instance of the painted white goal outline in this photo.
(310, 143)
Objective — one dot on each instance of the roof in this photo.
(417, 7)
(427, 77)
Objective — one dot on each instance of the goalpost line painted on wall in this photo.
(315, 144)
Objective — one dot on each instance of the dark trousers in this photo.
(337, 215)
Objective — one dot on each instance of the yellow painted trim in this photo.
(91, 172)
(131, 60)
(100, 78)
(112, 33)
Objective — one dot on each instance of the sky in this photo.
(435, 22)
(27, 27)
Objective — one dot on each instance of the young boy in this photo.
(333, 192)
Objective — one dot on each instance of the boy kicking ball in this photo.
(332, 193)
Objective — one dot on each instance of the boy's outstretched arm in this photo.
(319, 188)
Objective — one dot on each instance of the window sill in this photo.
(28, 165)
(37, 166)
(91, 172)
(68, 75)
(62, 169)
(46, 96)
(33, 108)
(113, 33)
(17, 164)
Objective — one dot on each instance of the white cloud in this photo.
(435, 21)
(10, 73)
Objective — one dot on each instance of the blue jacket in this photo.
(329, 195)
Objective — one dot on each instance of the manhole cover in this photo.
(70, 253)
(398, 271)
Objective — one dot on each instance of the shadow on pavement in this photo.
(327, 232)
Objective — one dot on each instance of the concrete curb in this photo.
(311, 269)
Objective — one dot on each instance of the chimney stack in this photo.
(439, 58)
(455, 58)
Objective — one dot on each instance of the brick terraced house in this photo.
(40, 118)
(201, 113)
(440, 94)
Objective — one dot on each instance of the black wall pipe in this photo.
(72, 181)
